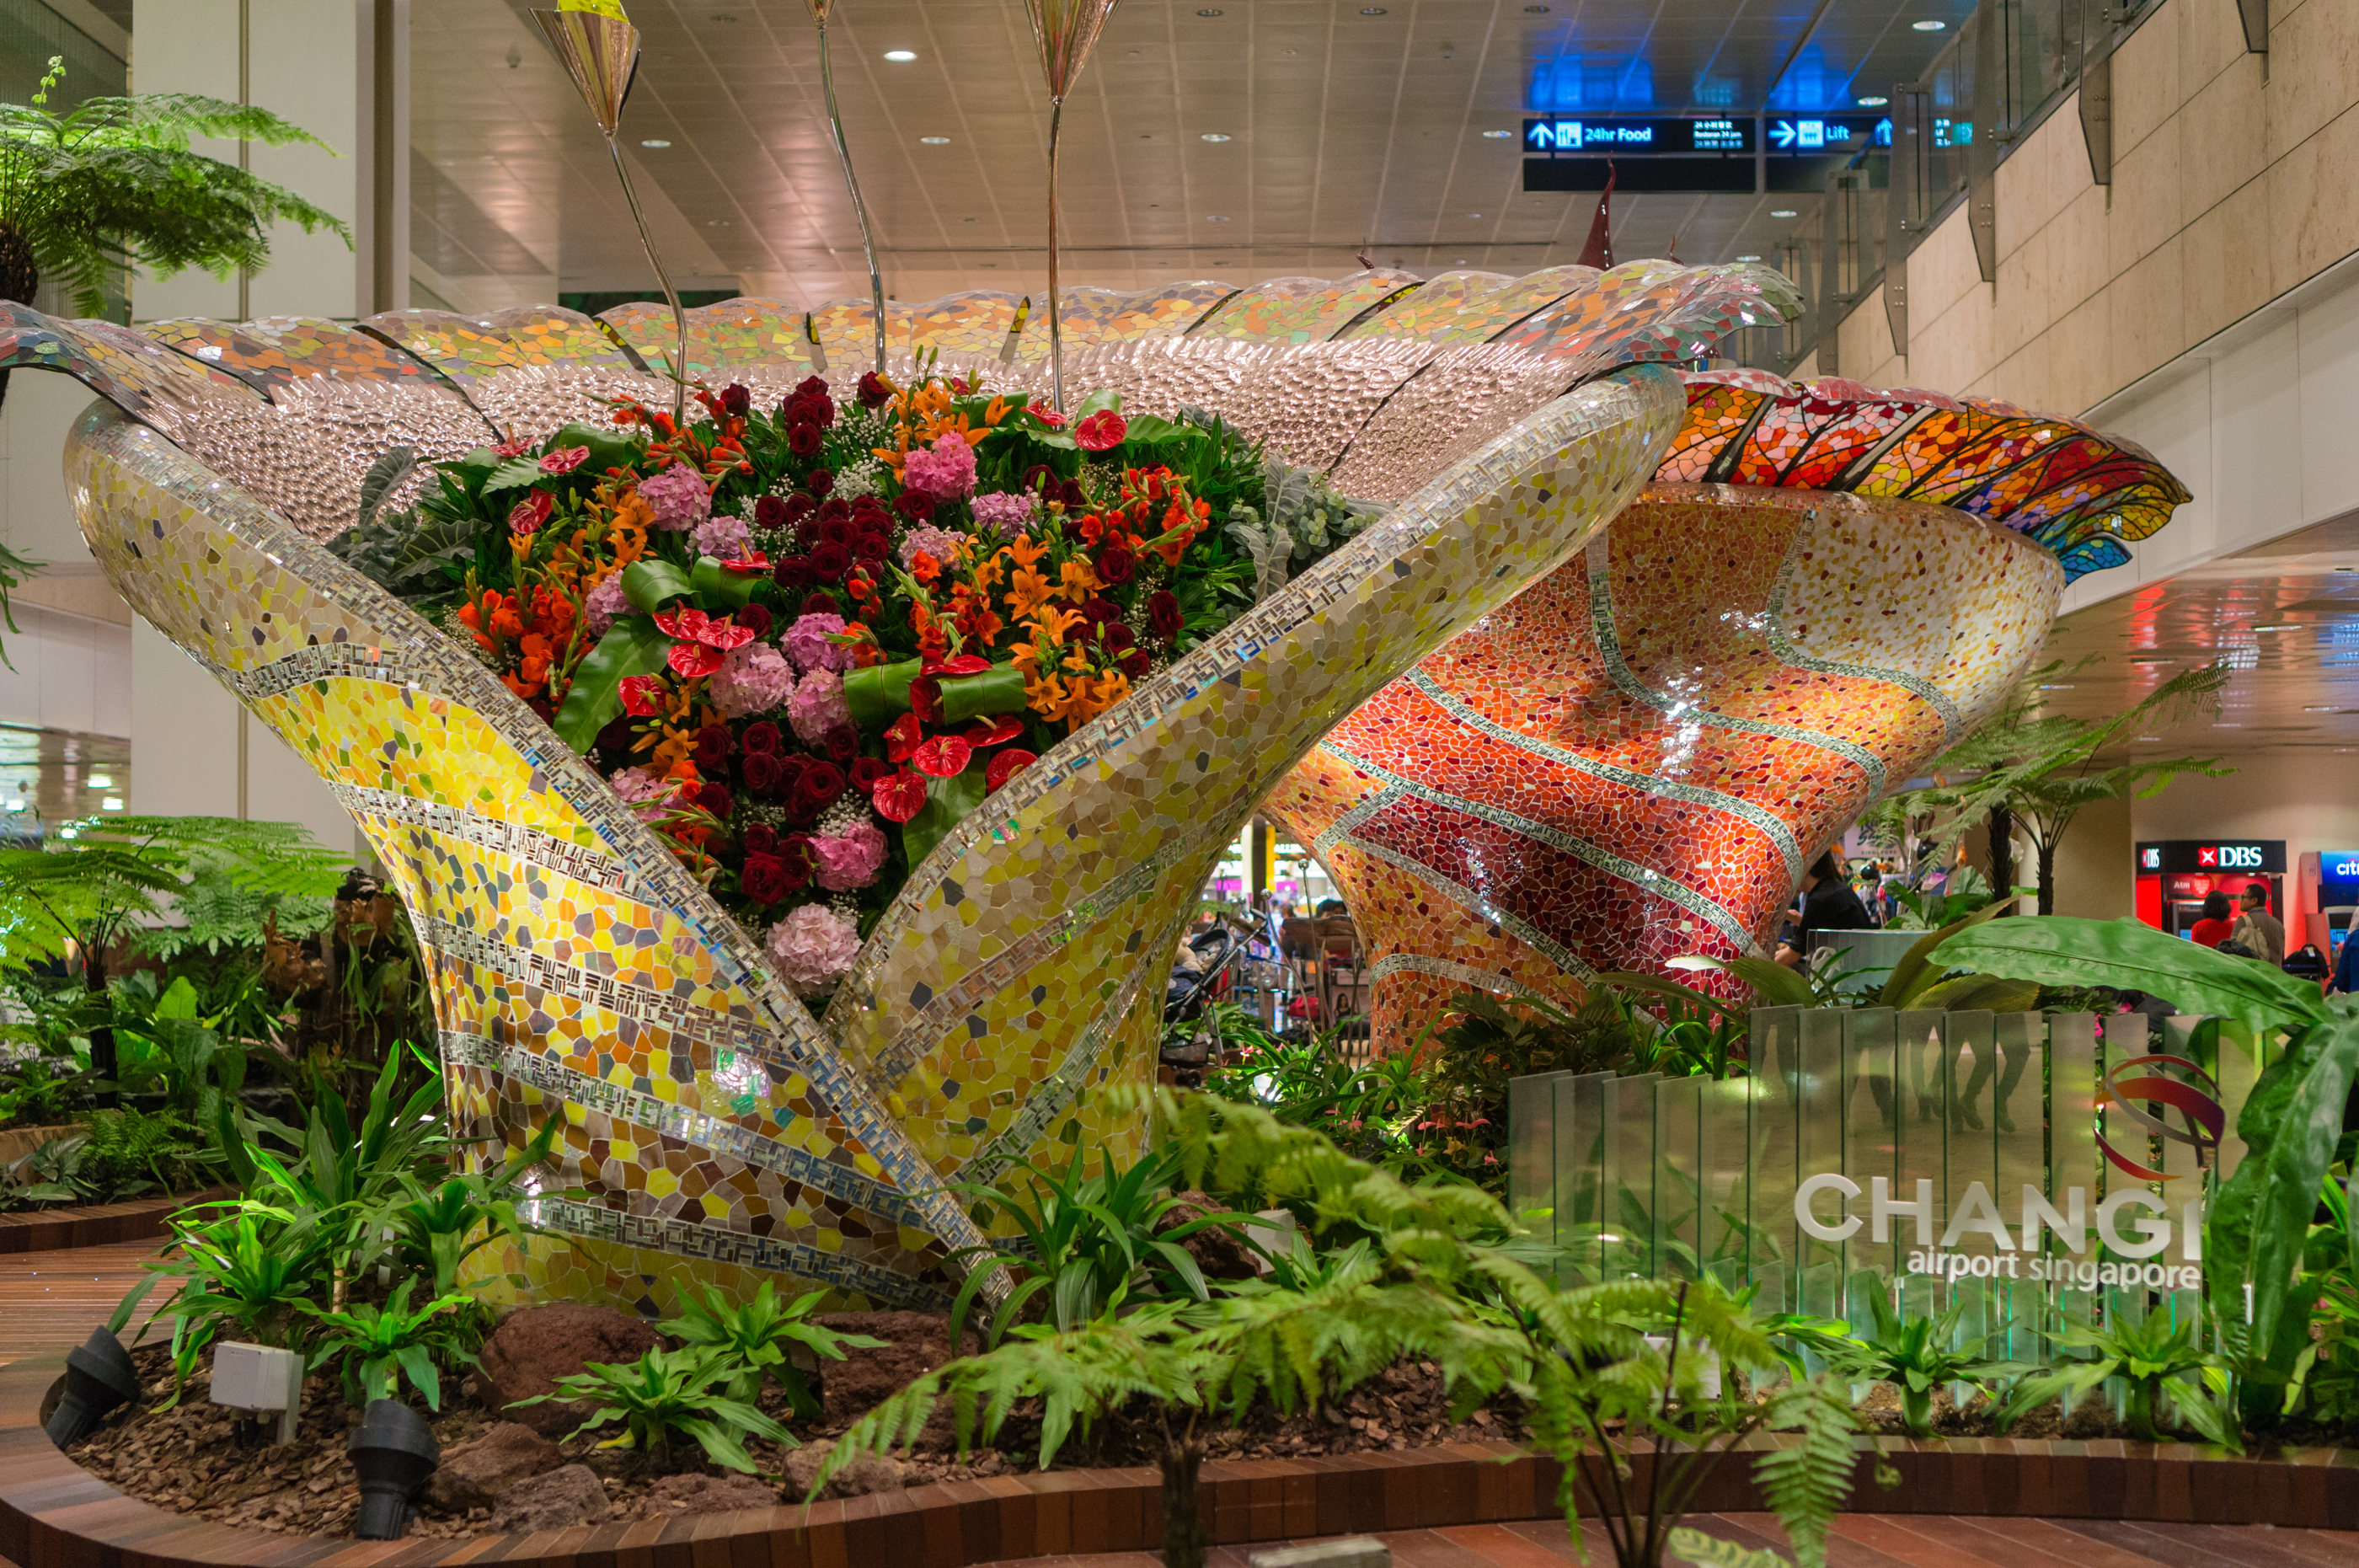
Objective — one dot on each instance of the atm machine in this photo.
(2330, 879)
(2174, 875)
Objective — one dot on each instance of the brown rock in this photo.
(696, 1493)
(473, 1474)
(1219, 1251)
(559, 1501)
(533, 1348)
(867, 1473)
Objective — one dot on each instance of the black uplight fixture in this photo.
(98, 1377)
(393, 1451)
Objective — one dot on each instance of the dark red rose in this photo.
(804, 440)
(867, 770)
(795, 854)
(798, 506)
(873, 393)
(838, 531)
(916, 506)
(541, 705)
(872, 547)
(830, 562)
(1117, 638)
(871, 515)
(823, 408)
(1070, 492)
(713, 745)
(820, 602)
(792, 572)
(1101, 609)
(1163, 614)
(770, 512)
(1038, 477)
(714, 798)
(1136, 663)
(811, 387)
(757, 616)
(764, 878)
(617, 736)
(736, 399)
(842, 744)
(1116, 566)
(763, 772)
(760, 739)
(821, 481)
(818, 788)
(835, 507)
(761, 838)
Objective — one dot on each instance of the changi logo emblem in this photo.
(2206, 1119)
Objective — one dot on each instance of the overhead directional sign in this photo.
(1620, 135)
(1814, 135)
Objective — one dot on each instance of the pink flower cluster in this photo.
(849, 860)
(679, 497)
(809, 646)
(724, 538)
(753, 679)
(605, 604)
(942, 544)
(947, 470)
(814, 947)
(1010, 513)
(650, 796)
(817, 706)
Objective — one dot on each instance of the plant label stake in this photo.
(1065, 30)
(257, 1377)
(818, 10)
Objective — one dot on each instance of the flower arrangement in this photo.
(804, 641)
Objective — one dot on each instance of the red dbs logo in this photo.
(2171, 1083)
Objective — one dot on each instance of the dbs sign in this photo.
(2229, 857)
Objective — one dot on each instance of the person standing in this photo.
(2213, 928)
(2257, 931)
(1828, 904)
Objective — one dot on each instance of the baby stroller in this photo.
(1201, 973)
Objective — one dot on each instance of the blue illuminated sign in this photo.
(2343, 865)
(1827, 133)
(1626, 134)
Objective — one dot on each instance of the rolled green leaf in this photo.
(2065, 949)
(607, 449)
(649, 585)
(947, 800)
(998, 689)
(717, 587)
(631, 647)
(880, 693)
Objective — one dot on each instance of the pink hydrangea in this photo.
(1010, 514)
(817, 706)
(849, 860)
(814, 947)
(724, 538)
(947, 470)
(650, 796)
(753, 679)
(807, 642)
(679, 497)
(606, 605)
(940, 543)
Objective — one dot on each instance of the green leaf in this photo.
(1711, 1552)
(1774, 982)
(1103, 397)
(1669, 990)
(385, 476)
(880, 693)
(514, 473)
(651, 583)
(947, 800)
(1969, 993)
(715, 585)
(1915, 970)
(998, 689)
(632, 647)
(2063, 950)
(1153, 430)
(607, 449)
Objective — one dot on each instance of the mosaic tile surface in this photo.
(1305, 309)
(718, 1130)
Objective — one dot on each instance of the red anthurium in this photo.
(944, 757)
(565, 460)
(682, 622)
(724, 635)
(998, 729)
(517, 448)
(901, 737)
(689, 624)
(691, 660)
(1102, 431)
(528, 514)
(756, 562)
(964, 664)
(1007, 765)
(898, 797)
(926, 699)
(1047, 415)
(640, 693)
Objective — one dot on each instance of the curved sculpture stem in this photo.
(671, 295)
(1056, 311)
(859, 207)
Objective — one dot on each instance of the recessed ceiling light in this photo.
(938, 141)
(1496, 136)
(655, 142)
(1371, 10)
(1474, 214)
(2149, 738)
(1214, 218)
(2287, 626)
(902, 56)
(1749, 258)
(1535, 10)
(102, 781)
(1928, 26)
(2319, 708)
(2059, 686)
(1783, 213)
(2226, 726)
(2347, 569)
(1210, 11)
(1214, 136)
(1874, 101)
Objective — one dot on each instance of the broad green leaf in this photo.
(607, 449)
(2063, 950)
(515, 475)
(717, 587)
(384, 476)
(1103, 397)
(1915, 970)
(1773, 981)
(947, 800)
(1977, 993)
(649, 585)
(1152, 429)
(631, 647)
(998, 689)
(1670, 990)
(880, 693)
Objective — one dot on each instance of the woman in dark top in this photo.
(2213, 928)
(1828, 904)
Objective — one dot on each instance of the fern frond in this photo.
(1806, 1485)
(1711, 1552)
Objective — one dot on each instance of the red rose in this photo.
(761, 838)
(798, 506)
(735, 400)
(792, 572)
(1136, 663)
(901, 736)
(802, 439)
(1163, 616)
(874, 393)
(712, 747)
(834, 509)
(526, 516)
(830, 562)
(1101, 431)
(1115, 566)
(542, 706)
(821, 602)
(1007, 765)
(842, 744)
(811, 386)
(943, 756)
(757, 618)
(1070, 492)
(899, 796)
(916, 506)
(770, 512)
(714, 798)
(838, 531)
(1101, 609)
(795, 854)
(871, 515)
(821, 481)
(762, 771)
(818, 788)
(1117, 638)
(760, 739)
(867, 770)
(764, 878)
(872, 547)
(617, 736)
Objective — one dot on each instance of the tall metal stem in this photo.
(1056, 308)
(678, 316)
(859, 207)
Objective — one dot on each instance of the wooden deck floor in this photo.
(1862, 1540)
(50, 1301)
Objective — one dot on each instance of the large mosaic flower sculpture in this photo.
(1634, 761)
(715, 1129)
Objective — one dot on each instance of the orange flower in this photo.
(1046, 697)
(1025, 552)
(1028, 594)
(1079, 582)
